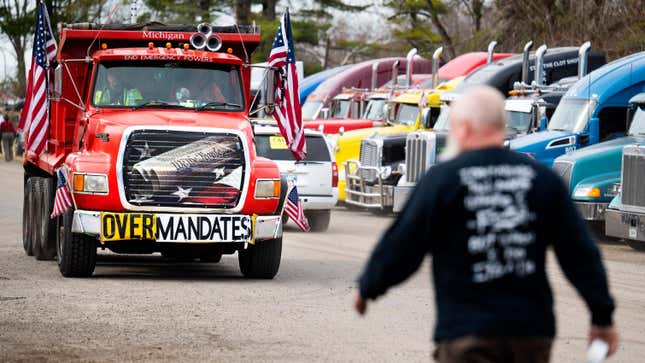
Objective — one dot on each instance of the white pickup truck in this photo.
(316, 176)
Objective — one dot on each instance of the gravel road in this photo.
(145, 308)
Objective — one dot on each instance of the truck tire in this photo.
(262, 260)
(76, 252)
(27, 220)
(44, 246)
(318, 219)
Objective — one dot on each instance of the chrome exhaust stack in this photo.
(539, 65)
(395, 73)
(201, 39)
(436, 58)
(408, 67)
(213, 43)
(525, 62)
(374, 75)
(583, 59)
(491, 51)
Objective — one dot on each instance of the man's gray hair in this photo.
(481, 106)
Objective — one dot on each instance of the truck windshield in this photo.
(375, 110)
(310, 109)
(168, 84)
(406, 114)
(638, 122)
(341, 109)
(518, 121)
(571, 115)
(443, 121)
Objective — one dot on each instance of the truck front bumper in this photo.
(264, 227)
(319, 202)
(592, 211)
(358, 192)
(626, 225)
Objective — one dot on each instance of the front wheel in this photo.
(318, 220)
(76, 252)
(261, 260)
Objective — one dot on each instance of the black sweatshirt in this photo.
(487, 217)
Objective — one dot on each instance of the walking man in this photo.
(486, 217)
(7, 135)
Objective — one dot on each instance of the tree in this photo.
(418, 18)
(17, 22)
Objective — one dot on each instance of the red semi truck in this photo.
(149, 124)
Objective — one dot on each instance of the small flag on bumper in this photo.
(63, 199)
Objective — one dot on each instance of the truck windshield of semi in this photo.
(406, 114)
(572, 115)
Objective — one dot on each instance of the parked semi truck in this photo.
(593, 173)
(357, 76)
(170, 168)
(625, 216)
(517, 71)
(593, 110)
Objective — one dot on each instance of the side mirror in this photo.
(324, 113)
(57, 90)
(269, 95)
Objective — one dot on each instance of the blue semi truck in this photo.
(593, 110)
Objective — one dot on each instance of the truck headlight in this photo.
(386, 171)
(267, 189)
(588, 192)
(90, 183)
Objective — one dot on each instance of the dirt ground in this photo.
(145, 308)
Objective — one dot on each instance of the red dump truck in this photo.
(149, 125)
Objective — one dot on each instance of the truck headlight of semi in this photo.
(267, 189)
(587, 192)
(386, 171)
(90, 183)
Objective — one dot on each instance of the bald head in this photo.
(477, 121)
(481, 106)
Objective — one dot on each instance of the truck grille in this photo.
(370, 155)
(164, 168)
(563, 169)
(633, 189)
(419, 155)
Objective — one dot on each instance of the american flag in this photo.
(287, 113)
(63, 200)
(35, 122)
(293, 208)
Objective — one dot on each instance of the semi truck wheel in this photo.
(45, 240)
(318, 220)
(262, 260)
(27, 220)
(76, 252)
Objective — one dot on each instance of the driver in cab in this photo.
(113, 90)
